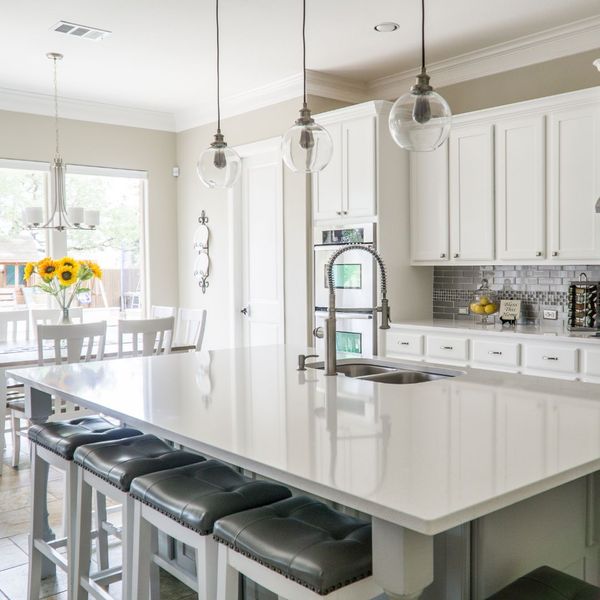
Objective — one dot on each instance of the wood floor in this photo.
(14, 524)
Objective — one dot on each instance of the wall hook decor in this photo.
(201, 246)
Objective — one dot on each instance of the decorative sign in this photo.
(510, 310)
(202, 264)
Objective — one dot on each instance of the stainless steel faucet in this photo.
(330, 321)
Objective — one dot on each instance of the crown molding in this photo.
(288, 88)
(566, 40)
(84, 110)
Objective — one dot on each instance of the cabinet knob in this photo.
(345, 212)
(538, 253)
(555, 253)
(443, 255)
(456, 255)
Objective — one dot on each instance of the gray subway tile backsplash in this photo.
(538, 287)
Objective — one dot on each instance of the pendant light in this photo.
(420, 119)
(219, 166)
(306, 147)
(59, 219)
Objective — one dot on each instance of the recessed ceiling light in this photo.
(386, 27)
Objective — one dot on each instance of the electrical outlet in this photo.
(552, 315)
(463, 310)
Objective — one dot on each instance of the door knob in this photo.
(244, 311)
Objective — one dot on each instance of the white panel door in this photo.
(520, 189)
(262, 249)
(359, 180)
(574, 183)
(429, 205)
(327, 185)
(472, 192)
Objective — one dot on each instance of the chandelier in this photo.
(60, 218)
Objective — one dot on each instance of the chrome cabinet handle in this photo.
(446, 347)
(405, 343)
(554, 253)
(456, 255)
(443, 255)
(538, 253)
(495, 352)
(549, 357)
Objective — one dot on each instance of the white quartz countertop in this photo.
(426, 456)
(471, 327)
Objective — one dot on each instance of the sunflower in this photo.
(46, 268)
(29, 267)
(94, 268)
(67, 261)
(66, 275)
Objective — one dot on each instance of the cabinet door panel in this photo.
(327, 185)
(359, 181)
(429, 205)
(520, 189)
(574, 166)
(472, 193)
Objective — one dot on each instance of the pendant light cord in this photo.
(304, 49)
(218, 71)
(422, 36)
(56, 129)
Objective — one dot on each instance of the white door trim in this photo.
(235, 234)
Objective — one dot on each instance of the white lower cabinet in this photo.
(493, 354)
(559, 360)
(447, 348)
(405, 344)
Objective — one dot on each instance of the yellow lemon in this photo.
(478, 309)
(484, 300)
(490, 309)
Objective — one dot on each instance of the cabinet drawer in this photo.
(496, 353)
(451, 348)
(590, 363)
(400, 342)
(551, 358)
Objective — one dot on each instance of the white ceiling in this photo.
(161, 54)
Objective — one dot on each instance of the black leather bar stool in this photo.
(185, 503)
(299, 549)
(546, 583)
(110, 467)
(54, 444)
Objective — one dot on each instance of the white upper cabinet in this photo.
(520, 189)
(573, 183)
(347, 186)
(472, 192)
(429, 205)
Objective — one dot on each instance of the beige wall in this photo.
(193, 197)
(31, 137)
(545, 79)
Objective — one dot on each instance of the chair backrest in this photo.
(191, 323)
(160, 312)
(8, 296)
(9, 324)
(71, 343)
(50, 316)
(156, 334)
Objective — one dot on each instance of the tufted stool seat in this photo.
(306, 542)
(64, 437)
(546, 583)
(54, 443)
(109, 467)
(197, 495)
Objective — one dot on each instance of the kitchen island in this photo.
(421, 459)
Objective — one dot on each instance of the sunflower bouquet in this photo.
(64, 279)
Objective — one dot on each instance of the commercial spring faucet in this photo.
(330, 321)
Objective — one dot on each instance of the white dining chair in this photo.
(161, 312)
(14, 325)
(191, 323)
(156, 336)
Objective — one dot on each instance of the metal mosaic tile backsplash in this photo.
(539, 287)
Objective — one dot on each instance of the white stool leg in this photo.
(15, 428)
(127, 546)
(206, 567)
(154, 570)
(227, 578)
(142, 556)
(37, 527)
(102, 539)
(70, 520)
(82, 550)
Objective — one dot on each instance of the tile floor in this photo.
(14, 525)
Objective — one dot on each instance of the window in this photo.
(116, 245)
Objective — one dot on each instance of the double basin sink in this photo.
(379, 371)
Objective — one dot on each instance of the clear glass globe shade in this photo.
(219, 167)
(420, 122)
(307, 148)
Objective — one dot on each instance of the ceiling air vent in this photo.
(80, 31)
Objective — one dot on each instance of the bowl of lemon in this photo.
(484, 303)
